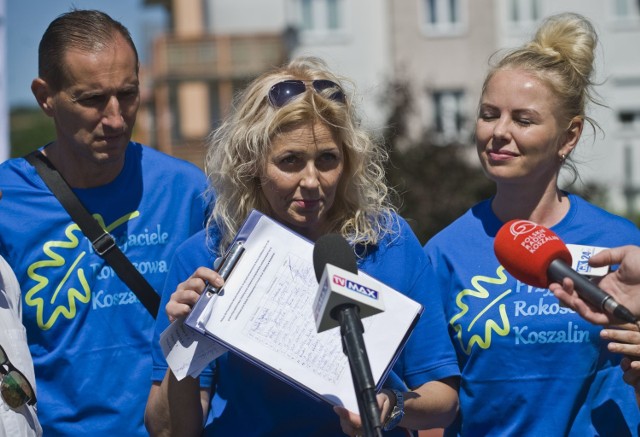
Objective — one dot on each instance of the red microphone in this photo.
(536, 256)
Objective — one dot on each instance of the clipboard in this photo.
(264, 314)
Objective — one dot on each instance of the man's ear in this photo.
(43, 95)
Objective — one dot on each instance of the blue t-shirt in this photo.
(250, 402)
(88, 333)
(529, 366)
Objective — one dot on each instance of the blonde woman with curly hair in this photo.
(293, 148)
(528, 366)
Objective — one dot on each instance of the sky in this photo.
(26, 21)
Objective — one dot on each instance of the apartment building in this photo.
(439, 47)
(214, 47)
(442, 46)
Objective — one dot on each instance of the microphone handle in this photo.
(353, 345)
(558, 270)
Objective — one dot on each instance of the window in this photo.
(307, 14)
(333, 17)
(321, 15)
(443, 17)
(524, 11)
(626, 8)
(523, 16)
(625, 13)
(449, 116)
(630, 119)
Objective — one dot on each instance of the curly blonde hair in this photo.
(237, 150)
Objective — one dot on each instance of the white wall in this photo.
(245, 16)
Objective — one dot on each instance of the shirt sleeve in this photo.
(428, 354)
(181, 268)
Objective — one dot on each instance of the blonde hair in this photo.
(237, 150)
(561, 54)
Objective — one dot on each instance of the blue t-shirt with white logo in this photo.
(250, 402)
(88, 333)
(529, 366)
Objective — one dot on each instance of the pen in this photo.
(228, 263)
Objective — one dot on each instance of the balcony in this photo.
(210, 57)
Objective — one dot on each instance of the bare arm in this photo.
(432, 405)
(179, 407)
(176, 407)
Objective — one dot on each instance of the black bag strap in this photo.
(103, 243)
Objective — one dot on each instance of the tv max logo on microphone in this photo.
(354, 286)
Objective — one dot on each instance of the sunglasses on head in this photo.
(15, 388)
(281, 93)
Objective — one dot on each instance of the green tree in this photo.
(436, 182)
(29, 128)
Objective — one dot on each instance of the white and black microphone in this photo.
(342, 299)
(337, 273)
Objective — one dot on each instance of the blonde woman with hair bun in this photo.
(527, 365)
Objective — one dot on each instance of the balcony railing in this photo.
(217, 57)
